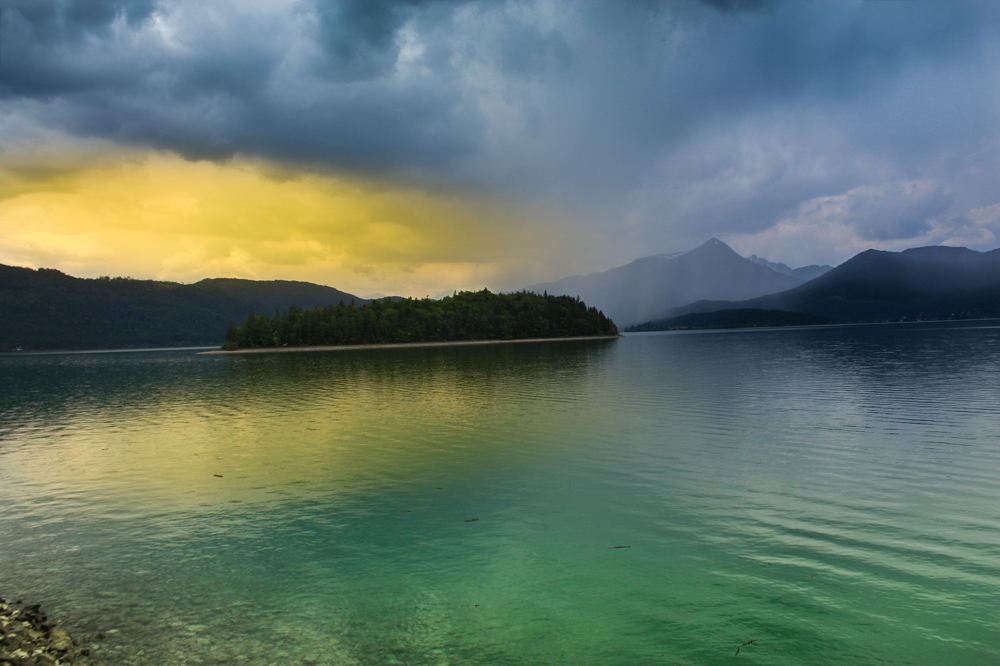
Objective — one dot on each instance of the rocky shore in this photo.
(29, 638)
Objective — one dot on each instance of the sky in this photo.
(414, 147)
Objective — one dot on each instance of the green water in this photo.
(832, 494)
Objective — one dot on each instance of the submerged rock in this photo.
(59, 640)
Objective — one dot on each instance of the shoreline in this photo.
(121, 350)
(27, 636)
(405, 345)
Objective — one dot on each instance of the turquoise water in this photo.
(832, 494)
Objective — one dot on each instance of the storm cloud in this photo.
(653, 124)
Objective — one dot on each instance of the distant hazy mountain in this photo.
(920, 283)
(47, 309)
(635, 292)
(805, 273)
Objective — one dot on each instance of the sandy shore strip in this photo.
(407, 345)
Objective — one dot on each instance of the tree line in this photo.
(47, 309)
(466, 315)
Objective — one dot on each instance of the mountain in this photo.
(805, 273)
(919, 283)
(732, 319)
(635, 292)
(47, 309)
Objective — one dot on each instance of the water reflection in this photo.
(812, 488)
(167, 427)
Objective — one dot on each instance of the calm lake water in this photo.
(832, 494)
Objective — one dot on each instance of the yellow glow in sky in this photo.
(159, 216)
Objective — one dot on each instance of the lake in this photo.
(832, 494)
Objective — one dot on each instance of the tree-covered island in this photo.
(466, 315)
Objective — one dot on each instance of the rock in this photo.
(20, 658)
(28, 638)
(60, 640)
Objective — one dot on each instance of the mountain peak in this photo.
(636, 291)
(714, 247)
(716, 243)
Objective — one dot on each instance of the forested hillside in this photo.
(465, 316)
(47, 309)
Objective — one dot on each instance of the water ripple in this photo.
(832, 493)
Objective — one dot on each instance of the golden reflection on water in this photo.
(272, 427)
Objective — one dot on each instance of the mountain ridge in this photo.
(929, 282)
(632, 293)
(805, 272)
(48, 309)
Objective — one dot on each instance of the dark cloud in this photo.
(891, 212)
(528, 53)
(58, 20)
(686, 116)
(358, 37)
(739, 5)
(44, 41)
